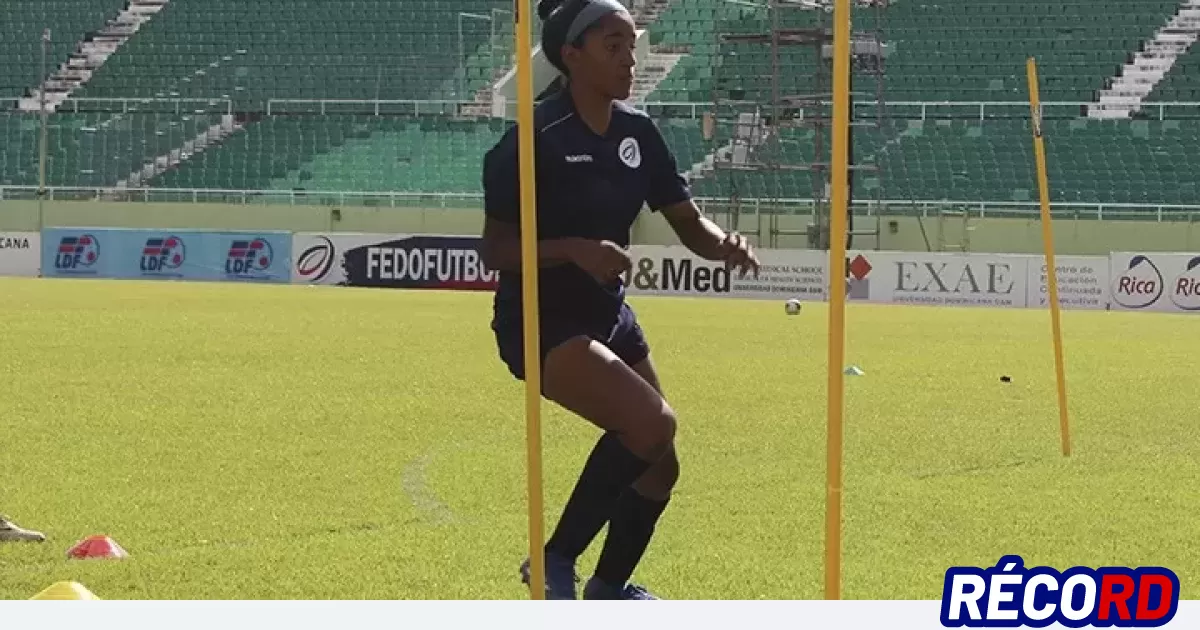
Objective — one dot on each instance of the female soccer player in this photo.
(598, 162)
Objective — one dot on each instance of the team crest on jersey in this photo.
(630, 153)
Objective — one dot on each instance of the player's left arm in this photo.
(670, 196)
(707, 240)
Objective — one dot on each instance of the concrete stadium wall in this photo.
(1082, 237)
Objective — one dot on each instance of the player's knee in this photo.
(655, 433)
(659, 482)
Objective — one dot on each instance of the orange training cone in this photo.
(97, 547)
(65, 590)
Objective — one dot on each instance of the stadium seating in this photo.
(1090, 161)
(251, 51)
(964, 51)
(346, 153)
(1182, 84)
(21, 25)
(91, 149)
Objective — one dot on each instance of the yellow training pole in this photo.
(529, 285)
(839, 170)
(1039, 148)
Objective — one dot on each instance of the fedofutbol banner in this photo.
(400, 261)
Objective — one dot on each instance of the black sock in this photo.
(629, 532)
(610, 469)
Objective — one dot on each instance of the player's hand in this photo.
(603, 260)
(735, 250)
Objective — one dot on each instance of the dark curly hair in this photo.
(558, 16)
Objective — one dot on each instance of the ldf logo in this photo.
(1140, 286)
(248, 257)
(1185, 292)
(162, 254)
(1008, 595)
(77, 253)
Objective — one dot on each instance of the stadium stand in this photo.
(298, 49)
(251, 51)
(21, 25)
(346, 153)
(962, 51)
(1182, 84)
(1096, 161)
(91, 149)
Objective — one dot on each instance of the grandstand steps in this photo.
(1139, 77)
(214, 135)
(647, 14)
(90, 54)
(658, 65)
(482, 104)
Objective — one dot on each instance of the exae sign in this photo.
(938, 279)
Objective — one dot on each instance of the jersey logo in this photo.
(630, 153)
(576, 159)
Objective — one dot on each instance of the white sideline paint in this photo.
(89, 56)
(415, 482)
(1139, 78)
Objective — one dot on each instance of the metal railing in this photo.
(923, 110)
(910, 110)
(400, 199)
(932, 208)
(918, 110)
(147, 104)
(376, 107)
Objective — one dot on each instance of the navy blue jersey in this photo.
(588, 186)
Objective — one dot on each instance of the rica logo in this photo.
(77, 252)
(315, 262)
(1140, 286)
(1186, 290)
(247, 257)
(1008, 596)
(162, 254)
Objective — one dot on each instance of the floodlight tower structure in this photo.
(770, 124)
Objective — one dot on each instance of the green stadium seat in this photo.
(252, 51)
(21, 25)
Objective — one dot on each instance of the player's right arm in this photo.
(501, 249)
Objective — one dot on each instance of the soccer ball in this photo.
(792, 307)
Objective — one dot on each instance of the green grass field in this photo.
(291, 442)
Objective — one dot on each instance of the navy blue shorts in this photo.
(625, 338)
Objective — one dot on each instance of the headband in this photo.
(592, 11)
